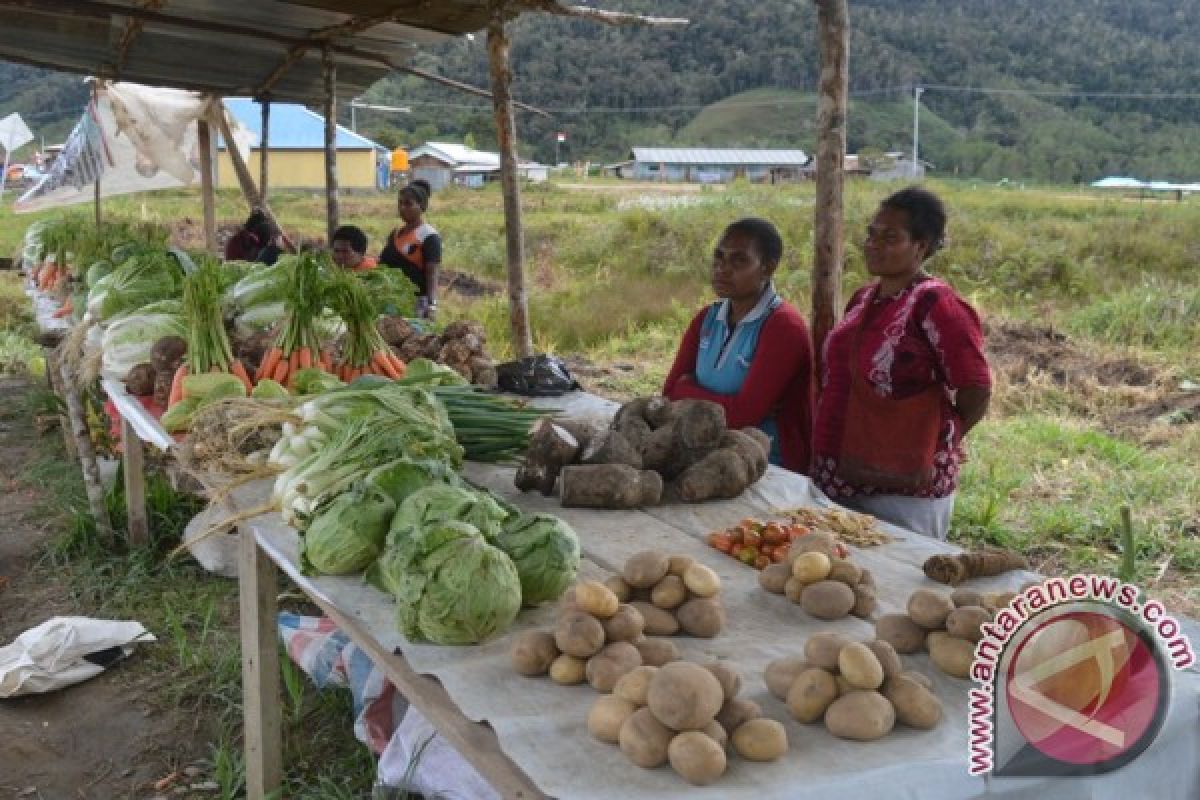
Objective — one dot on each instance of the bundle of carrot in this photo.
(50, 275)
(65, 309)
(364, 351)
(298, 347)
(208, 349)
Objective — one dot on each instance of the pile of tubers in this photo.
(686, 714)
(859, 689)
(462, 347)
(947, 625)
(825, 586)
(654, 448)
(606, 630)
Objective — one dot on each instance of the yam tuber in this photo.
(953, 570)
(551, 447)
(611, 447)
(609, 486)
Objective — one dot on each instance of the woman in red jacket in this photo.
(750, 351)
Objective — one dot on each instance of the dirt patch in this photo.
(466, 284)
(101, 739)
(1021, 349)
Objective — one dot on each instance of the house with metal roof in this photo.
(444, 163)
(296, 150)
(715, 165)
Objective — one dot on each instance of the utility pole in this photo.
(916, 129)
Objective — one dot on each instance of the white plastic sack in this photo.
(54, 654)
(419, 760)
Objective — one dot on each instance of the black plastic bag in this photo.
(536, 376)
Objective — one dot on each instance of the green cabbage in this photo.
(128, 341)
(267, 389)
(97, 271)
(545, 552)
(314, 380)
(401, 478)
(348, 534)
(430, 373)
(450, 585)
(262, 286)
(444, 502)
(178, 417)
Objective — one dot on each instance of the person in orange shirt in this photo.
(416, 247)
(349, 249)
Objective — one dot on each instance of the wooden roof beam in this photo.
(133, 27)
(595, 14)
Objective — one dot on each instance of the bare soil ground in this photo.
(105, 738)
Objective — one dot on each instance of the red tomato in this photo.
(797, 530)
(761, 562)
(774, 533)
(752, 539)
(736, 533)
(720, 541)
(841, 551)
(749, 523)
(779, 553)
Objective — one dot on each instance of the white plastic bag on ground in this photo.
(56, 653)
(418, 759)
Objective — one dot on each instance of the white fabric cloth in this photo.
(52, 655)
(928, 516)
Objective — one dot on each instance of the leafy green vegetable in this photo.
(348, 534)
(212, 386)
(179, 416)
(402, 477)
(314, 380)
(267, 389)
(545, 552)
(128, 340)
(444, 502)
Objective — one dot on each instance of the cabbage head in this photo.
(348, 534)
(440, 501)
(450, 585)
(399, 479)
(545, 552)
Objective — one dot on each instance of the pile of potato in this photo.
(604, 629)
(825, 586)
(859, 689)
(685, 714)
(947, 625)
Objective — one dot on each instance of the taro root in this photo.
(140, 380)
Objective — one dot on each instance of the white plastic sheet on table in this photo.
(144, 424)
(541, 726)
(44, 307)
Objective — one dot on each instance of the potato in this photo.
(811, 567)
(811, 693)
(701, 580)
(845, 571)
(966, 597)
(822, 649)
(953, 656)
(967, 622)
(737, 711)
(863, 716)
(1000, 600)
(656, 621)
(887, 657)
(865, 602)
(579, 634)
(701, 616)
(567, 670)
(567, 602)
(697, 758)
(607, 716)
(760, 740)
(900, 632)
(844, 686)
(617, 585)
(644, 740)
(919, 678)
(827, 599)
(793, 588)
(656, 652)
(717, 733)
(915, 705)
(669, 593)
(677, 565)
(533, 652)
(929, 608)
(634, 685)
(625, 625)
(859, 666)
(781, 674)
(609, 665)
(729, 678)
(933, 636)
(684, 696)
(596, 599)
(774, 577)
(866, 578)
(645, 569)
(815, 542)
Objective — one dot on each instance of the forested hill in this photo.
(614, 87)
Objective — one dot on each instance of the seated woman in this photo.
(248, 241)
(904, 378)
(750, 351)
(349, 249)
(416, 246)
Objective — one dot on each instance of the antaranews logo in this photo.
(1073, 678)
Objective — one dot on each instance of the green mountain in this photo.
(743, 73)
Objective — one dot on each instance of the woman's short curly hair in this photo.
(765, 235)
(926, 215)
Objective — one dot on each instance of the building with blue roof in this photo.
(296, 150)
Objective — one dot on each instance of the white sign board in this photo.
(14, 132)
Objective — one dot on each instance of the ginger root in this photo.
(953, 570)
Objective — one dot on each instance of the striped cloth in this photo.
(83, 159)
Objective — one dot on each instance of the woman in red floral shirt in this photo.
(904, 378)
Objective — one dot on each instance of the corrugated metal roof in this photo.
(719, 156)
(456, 154)
(226, 46)
(292, 127)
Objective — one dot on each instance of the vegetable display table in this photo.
(541, 746)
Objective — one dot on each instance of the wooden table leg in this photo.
(135, 486)
(87, 456)
(55, 381)
(260, 670)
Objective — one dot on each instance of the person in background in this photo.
(349, 249)
(250, 239)
(416, 246)
(904, 378)
(750, 351)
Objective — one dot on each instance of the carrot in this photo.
(383, 366)
(398, 363)
(305, 358)
(324, 361)
(239, 369)
(281, 371)
(176, 393)
(268, 363)
(64, 310)
(294, 362)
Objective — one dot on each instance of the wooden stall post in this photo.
(96, 200)
(258, 607)
(506, 135)
(135, 486)
(249, 190)
(264, 147)
(331, 179)
(832, 33)
(207, 196)
(87, 455)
